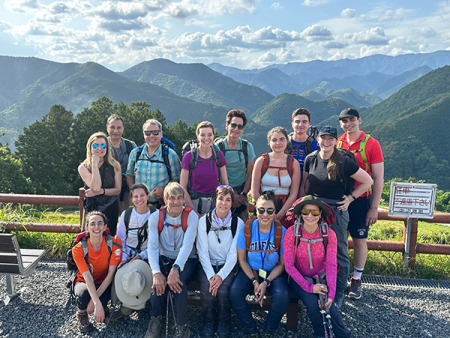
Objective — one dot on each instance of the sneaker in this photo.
(355, 289)
(208, 330)
(339, 299)
(184, 331)
(83, 322)
(154, 327)
(223, 329)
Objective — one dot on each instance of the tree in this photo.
(45, 151)
(12, 179)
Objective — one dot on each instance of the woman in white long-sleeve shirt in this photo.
(216, 246)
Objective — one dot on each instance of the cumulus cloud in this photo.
(373, 36)
(314, 2)
(180, 10)
(119, 11)
(316, 33)
(122, 25)
(396, 14)
(348, 13)
(334, 44)
(22, 6)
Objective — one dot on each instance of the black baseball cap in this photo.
(328, 130)
(348, 113)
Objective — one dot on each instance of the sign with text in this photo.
(414, 200)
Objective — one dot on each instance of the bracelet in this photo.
(104, 192)
(254, 280)
(354, 198)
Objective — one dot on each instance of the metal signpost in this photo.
(411, 200)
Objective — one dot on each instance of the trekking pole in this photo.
(323, 312)
(173, 313)
(167, 314)
(327, 313)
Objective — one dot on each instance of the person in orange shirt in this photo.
(96, 269)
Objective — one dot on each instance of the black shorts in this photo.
(357, 211)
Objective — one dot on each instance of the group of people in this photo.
(190, 221)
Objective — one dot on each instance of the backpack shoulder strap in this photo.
(265, 163)
(216, 153)
(245, 151)
(362, 151)
(85, 247)
(308, 144)
(278, 235)
(248, 232)
(126, 218)
(128, 146)
(208, 221)
(161, 220)
(184, 218)
(339, 144)
(290, 165)
(165, 155)
(139, 152)
(221, 144)
(194, 158)
(324, 231)
(234, 222)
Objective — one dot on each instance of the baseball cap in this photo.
(348, 113)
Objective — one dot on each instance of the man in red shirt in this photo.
(363, 212)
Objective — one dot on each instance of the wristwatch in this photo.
(268, 282)
(254, 280)
(176, 267)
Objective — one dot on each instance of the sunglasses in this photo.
(313, 212)
(239, 126)
(150, 132)
(330, 130)
(261, 210)
(224, 187)
(96, 145)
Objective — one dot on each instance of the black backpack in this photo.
(165, 144)
(221, 144)
(233, 228)
(142, 234)
(192, 146)
(309, 141)
(347, 182)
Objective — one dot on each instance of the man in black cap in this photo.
(363, 212)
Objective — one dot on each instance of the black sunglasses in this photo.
(150, 132)
(261, 210)
(239, 126)
(330, 130)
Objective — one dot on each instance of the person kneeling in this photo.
(310, 259)
(96, 270)
(260, 254)
(172, 258)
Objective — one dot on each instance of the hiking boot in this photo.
(208, 330)
(154, 327)
(83, 322)
(223, 329)
(184, 331)
(355, 289)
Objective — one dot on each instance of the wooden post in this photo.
(81, 195)
(413, 243)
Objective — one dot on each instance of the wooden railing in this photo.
(413, 249)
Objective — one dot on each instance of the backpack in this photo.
(165, 145)
(128, 146)
(142, 235)
(266, 165)
(221, 144)
(233, 228)
(248, 234)
(361, 150)
(192, 146)
(72, 266)
(291, 218)
(308, 143)
(184, 218)
(347, 182)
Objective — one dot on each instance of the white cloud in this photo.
(396, 14)
(314, 2)
(22, 6)
(334, 45)
(373, 36)
(316, 33)
(276, 6)
(348, 13)
(119, 11)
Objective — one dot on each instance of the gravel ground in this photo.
(383, 311)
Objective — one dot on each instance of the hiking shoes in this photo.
(355, 289)
(223, 329)
(83, 322)
(208, 330)
(184, 331)
(154, 327)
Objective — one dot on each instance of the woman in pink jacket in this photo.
(309, 253)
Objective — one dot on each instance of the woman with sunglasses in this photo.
(322, 178)
(277, 171)
(216, 247)
(102, 177)
(307, 255)
(200, 171)
(260, 255)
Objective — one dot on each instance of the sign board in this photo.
(414, 200)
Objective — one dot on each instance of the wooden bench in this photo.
(16, 261)
(291, 312)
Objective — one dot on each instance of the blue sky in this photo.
(239, 33)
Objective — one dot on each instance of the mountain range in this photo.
(401, 98)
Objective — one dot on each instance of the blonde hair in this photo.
(204, 124)
(108, 156)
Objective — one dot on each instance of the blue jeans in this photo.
(208, 300)
(242, 286)
(312, 309)
(180, 299)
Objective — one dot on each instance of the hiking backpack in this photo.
(192, 146)
(233, 228)
(361, 150)
(248, 227)
(308, 143)
(266, 165)
(291, 218)
(244, 149)
(347, 182)
(184, 218)
(142, 234)
(165, 145)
